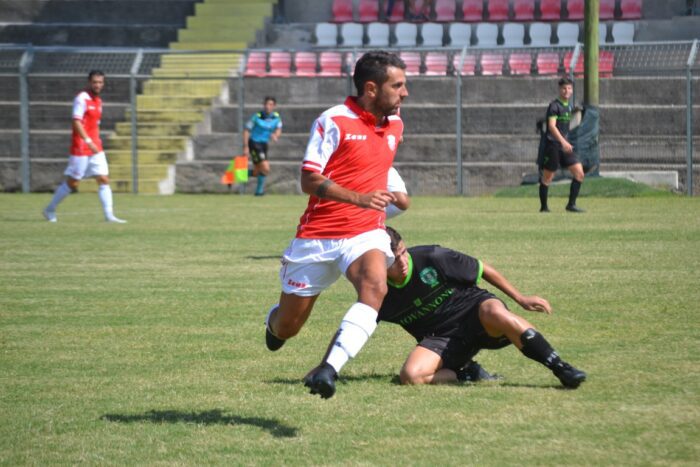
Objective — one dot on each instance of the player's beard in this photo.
(385, 107)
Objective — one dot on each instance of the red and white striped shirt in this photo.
(87, 108)
(348, 147)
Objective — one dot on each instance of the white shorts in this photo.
(309, 266)
(80, 167)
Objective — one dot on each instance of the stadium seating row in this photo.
(460, 34)
(491, 63)
(489, 10)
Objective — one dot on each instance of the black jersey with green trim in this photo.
(439, 288)
(562, 112)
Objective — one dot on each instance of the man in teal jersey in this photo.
(558, 151)
(262, 127)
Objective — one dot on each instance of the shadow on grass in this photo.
(209, 417)
(257, 258)
(532, 386)
(343, 379)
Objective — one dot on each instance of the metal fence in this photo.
(663, 138)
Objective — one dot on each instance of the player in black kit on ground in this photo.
(433, 295)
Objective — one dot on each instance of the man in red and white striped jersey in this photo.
(87, 157)
(344, 171)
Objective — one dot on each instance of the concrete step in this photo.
(145, 156)
(115, 11)
(233, 9)
(164, 143)
(164, 102)
(216, 35)
(102, 35)
(145, 171)
(50, 89)
(478, 90)
(221, 73)
(503, 119)
(125, 185)
(203, 59)
(210, 45)
(242, 22)
(156, 129)
(183, 87)
(167, 116)
(55, 115)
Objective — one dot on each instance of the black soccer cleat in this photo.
(569, 376)
(574, 208)
(544, 209)
(323, 381)
(273, 342)
(474, 372)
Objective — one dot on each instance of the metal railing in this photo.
(678, 60)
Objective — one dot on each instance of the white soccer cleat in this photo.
(115, 220)
(49, 215)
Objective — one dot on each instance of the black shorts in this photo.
(457, 350)
(258, 151)
(554, 156)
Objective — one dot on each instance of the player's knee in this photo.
(493, 314)
(372, 292)
(410, 375)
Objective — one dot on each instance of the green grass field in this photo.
(143, 343)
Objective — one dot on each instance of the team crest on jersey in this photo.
(391, 139)
(429, 276)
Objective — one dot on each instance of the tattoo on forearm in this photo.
(323, 188)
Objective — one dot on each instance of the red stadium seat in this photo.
(412, 61)
(436, 64)
(550, 10)
(568, 56)
(256, 64)
(468, 66)
(520, 64)
(631, 9)
(473, 10)
(368, 11)
(575, 9)
(331, 64)
(445, 10)
(606, 62)
(280, 64)
(524, 10)
(498, 10)
(305, 63)
(398, 12)
(342, 11)
(547, 63)
(606, 9)
(492, 64)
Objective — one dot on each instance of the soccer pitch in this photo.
(143, 343)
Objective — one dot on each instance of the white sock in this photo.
(356, 328)
(61, 192)
(105, 194)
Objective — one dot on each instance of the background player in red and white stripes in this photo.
(87, 157)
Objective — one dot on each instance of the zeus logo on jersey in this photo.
(299, 285)
(351, 137)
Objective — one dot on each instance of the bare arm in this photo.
(530, 303)
(246, 135)
(317, 185)
(402, 202)
(276, 134)
(554, 131)
(78, 127)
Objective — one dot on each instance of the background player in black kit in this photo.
(557, 150)
(433, 295)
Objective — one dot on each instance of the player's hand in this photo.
(93, 147)
(275, 138)
(377, 200)
(535, 303)
(567, 147)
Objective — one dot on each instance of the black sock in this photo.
(573, 191)
(544, 191)
(536, 347)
